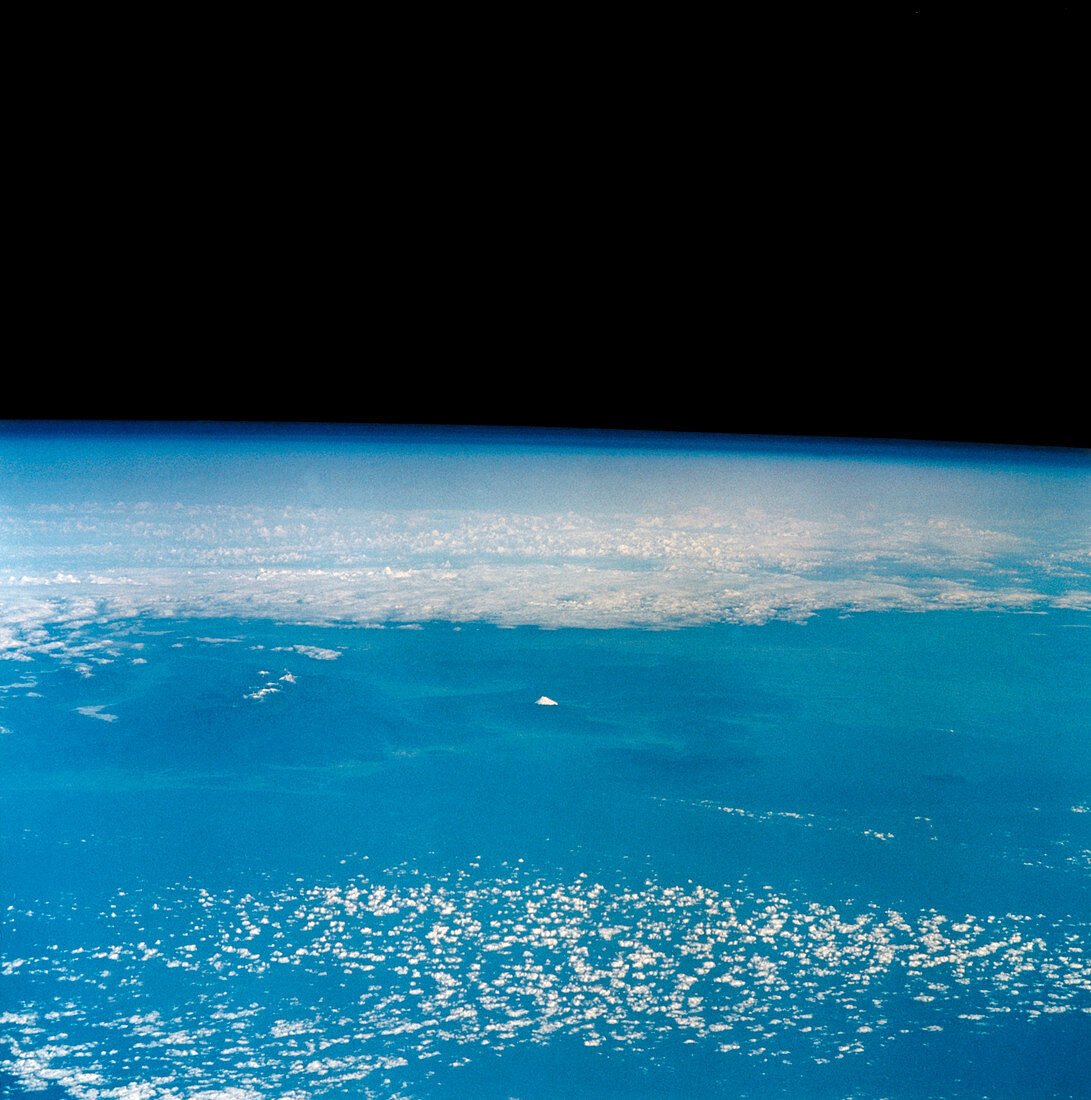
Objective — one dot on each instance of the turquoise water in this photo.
(845, 857)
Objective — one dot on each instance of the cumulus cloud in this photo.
(472, 962)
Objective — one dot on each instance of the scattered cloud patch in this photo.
(316, 653)
(98, 711)
(467, 964)
(270, 686)
(261, 693)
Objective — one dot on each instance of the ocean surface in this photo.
(541, 766)
(850, 857)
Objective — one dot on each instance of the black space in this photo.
(822, 224)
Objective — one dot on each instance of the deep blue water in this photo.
(845, 858)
